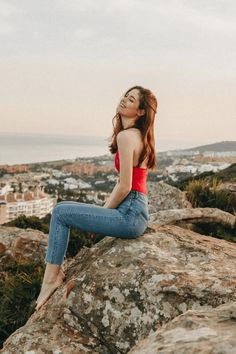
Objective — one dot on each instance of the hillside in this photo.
(217, 147)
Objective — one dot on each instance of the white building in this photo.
(7, 188)
(58, 174)
(53, 181)
(72, 183)
(28, 203)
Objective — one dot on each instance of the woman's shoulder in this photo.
(129, 131)
(124, 135)
(132, 136)
(137, 143)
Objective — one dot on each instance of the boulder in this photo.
(186, 217)
(121, 291)
(194, 332)
(163, 196)
(21, 245)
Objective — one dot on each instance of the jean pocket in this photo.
(142, 214)
(125, 206)
(138, 222)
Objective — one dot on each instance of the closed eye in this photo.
(130, 99)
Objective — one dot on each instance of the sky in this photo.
(64, 65)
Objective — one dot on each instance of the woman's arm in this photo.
(116, 196)
(126, 145)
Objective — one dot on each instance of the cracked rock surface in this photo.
(121, 292)
(194, 332)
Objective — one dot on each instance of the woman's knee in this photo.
(60, 203)
(58, 207)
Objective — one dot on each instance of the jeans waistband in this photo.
(140, 195)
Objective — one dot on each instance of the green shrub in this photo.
(216, 230)
(20, 285)
(32, 222)
(198, 193)
(205, 193)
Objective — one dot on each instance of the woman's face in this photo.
(129, 103)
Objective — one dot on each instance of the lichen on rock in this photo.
(120, 291)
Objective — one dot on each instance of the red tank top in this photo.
(139, 178)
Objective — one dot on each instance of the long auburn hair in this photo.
(144, 123)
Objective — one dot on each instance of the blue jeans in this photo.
(128, 220)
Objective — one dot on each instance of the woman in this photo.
(125, 213)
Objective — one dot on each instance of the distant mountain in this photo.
(217, 147)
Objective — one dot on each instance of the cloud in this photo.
(7, 9)
(7, 28)
(204, 18)
(156, 15)
(81, 5)
(84, 33)
(211, 19)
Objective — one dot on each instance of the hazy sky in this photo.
(65, 63)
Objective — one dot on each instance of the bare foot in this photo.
(48, 289)
(62, 274)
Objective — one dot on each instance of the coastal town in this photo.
(34, 189)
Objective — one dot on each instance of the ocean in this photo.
(20, 148)
(17, 148)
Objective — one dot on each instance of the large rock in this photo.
(230, 188)
(189, 216)
(120, 291)
(163, 196)
(21, 245)
(194, 332)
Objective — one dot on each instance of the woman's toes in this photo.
(44, 300)
(62, 274)
(47, 290)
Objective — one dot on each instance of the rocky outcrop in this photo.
(230, 189)
(120, 291)
(21, 245)
(194, 332)
(187, 217)
(162, 196)
(228, 186)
